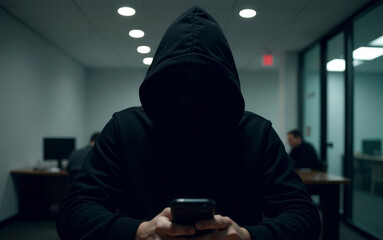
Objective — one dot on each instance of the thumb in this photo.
(166, 213)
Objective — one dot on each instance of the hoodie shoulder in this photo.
(130, 110)
(132, 116)
(255, 117)
(254, 124)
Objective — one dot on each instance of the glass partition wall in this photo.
(341, 112)
(367, 184)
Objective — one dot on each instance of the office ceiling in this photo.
(94, 34)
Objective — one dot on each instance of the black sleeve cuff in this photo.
(259, 232)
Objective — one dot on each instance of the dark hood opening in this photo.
(193, 81)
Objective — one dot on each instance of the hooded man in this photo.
(190, 139)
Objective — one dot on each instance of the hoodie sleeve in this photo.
(88, 211)
(288, 209)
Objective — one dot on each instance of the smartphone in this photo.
(188, 211)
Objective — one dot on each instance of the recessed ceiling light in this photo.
(126, 11)
(143, 49)
(148, 60)
(247, 13)
(336, 65)
(136, 33)
(357, 62)
(377, 42)
(367, 53)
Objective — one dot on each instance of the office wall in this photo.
(273, 94)
(288, 88)
(269, 93)
(110, 91)
(41, 94)
(260, 91)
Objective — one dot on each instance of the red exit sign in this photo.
(267, 60)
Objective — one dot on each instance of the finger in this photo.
(166, 213)
(218, 222)
(166, 227)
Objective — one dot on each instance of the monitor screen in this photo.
(58, 148)
(372, 146)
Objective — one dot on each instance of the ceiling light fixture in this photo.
(367, 53)
(247, 13)
(339, 65)
(148, 60)
(143, 49)
(377, 42)
(135, 33)
(336, 65)
(357, 62)
(126, 11)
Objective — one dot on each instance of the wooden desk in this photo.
(314, 177)
(327, 186)
(39, 191)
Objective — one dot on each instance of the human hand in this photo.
(225, 229)
(161, 228)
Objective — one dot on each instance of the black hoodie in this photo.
(191, 138)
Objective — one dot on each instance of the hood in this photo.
(193, 78)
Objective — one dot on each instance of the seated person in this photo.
(77, 158)
(302, 153)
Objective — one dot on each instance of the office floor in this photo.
(46, 230)
(368, 210)
(32, 230)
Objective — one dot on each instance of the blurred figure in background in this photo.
(77, 158)
(302, 153)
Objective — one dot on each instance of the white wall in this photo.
(261, 93)
(41, 94)
(288, 88)
(274, 94)
(110, 91)
(269, 93)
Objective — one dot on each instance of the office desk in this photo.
(39, 191)
(374, 165)
(327, 186)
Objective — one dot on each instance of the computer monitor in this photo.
(372, 146)
(58, 149)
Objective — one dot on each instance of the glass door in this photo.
(311, 97)
(335, 66)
